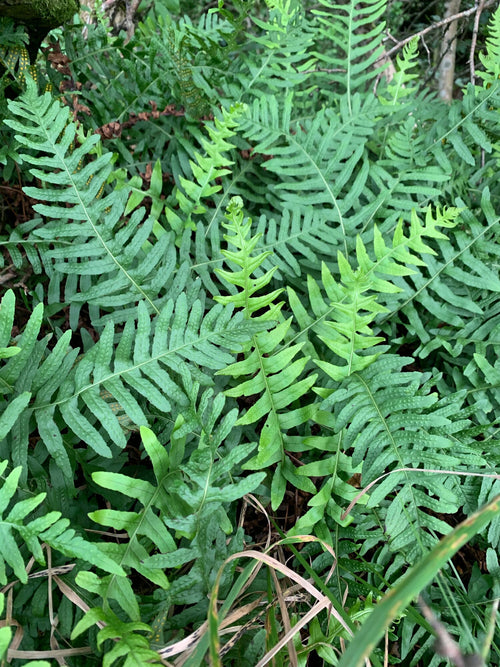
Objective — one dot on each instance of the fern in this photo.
(391, 419)
(59, 389)
(286, 58)
(205, 170)
(268, 363)
(186, 499)
(352, 307)
(115, 253)
(129, 643)
(398, 88)
(49, 528)
(329, 150)
(490, 59)
(451, 291)
(238, 252)
(355, 49)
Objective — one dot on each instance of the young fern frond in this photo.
(398, 88)
(456, 286)
(269, 363)
(205, 171)
(491, 59)
(242, 257)
(345, 325)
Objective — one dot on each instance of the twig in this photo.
(129, 21)
(448, 53)
(473, 41)
(434, 26)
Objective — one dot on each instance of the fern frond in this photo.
(129, 644)
(143, 364)
(137, 524)
(392, 420)
(268, 362)
(50, 529)
(337, 490)
(280, 55)
(185, 498)
(60, 391)
(297, 241)
(466, 130)
(319, 163)
(451, 290)
(355, 31)
(398, 88)
(21, 377)
(240, 229)
(17, 244)
(345, 325)
(104, 256)
(205, 170)
(193, 57)
(491, 59)
(490, 385)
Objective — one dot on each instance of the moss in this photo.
(55, 12)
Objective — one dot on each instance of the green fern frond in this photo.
(457, 284)
(337, 490)
(192, 56)
(184, 499)
(356, 49)
(19, 247)
(30, 370)
(146, 522)
(491, 59)
(391, 419)
(268, 363)
(58, 390)
(143, 365)
(49, 528)
(243, 258)
(205, 171)
(297, 241)
(466, 130)
(345, 325)
(279, 55)
(398, 88)
(318, 164)
(128, 643)
(102, 259)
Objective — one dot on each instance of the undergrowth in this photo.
(258, 278)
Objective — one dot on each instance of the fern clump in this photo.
(249, 340)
